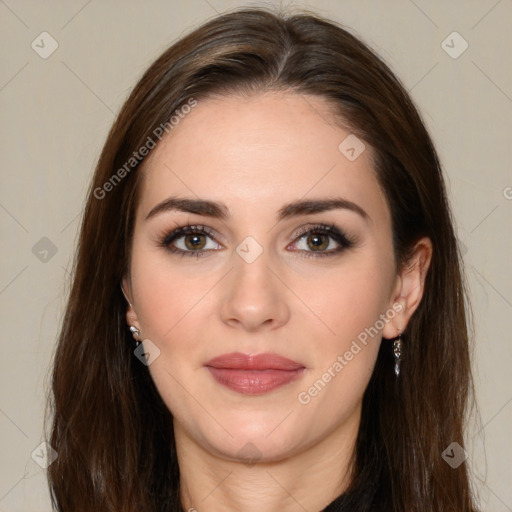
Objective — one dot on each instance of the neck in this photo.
(307, 480)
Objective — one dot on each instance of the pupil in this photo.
(193, 244)
(317, 242)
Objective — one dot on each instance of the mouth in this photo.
(254, 375)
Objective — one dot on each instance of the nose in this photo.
(254, 296)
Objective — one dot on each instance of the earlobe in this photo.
(410, 287)
(131, 315)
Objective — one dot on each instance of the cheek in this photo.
(338, 303)
(349, 306)
(344, 358)
(349, 300)
(172, 301)
(167, 310)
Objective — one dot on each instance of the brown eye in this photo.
(319, 241)
(322, 240)
(194, 242)
(190, 241)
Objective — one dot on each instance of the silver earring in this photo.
(136, 334)
(397, 351)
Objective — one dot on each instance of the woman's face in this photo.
(268, 277)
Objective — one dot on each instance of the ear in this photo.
(131, 315)
(408, 288)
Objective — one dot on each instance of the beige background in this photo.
(56, 114)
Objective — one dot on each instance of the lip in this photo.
(254, 375)
(267, 361)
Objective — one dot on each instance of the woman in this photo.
(269, 218)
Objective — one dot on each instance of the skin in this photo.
(256, 154)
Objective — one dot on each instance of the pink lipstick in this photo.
(253, 375)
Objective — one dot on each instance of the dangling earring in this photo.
(397, 351)
(136, 335)
(135, 332)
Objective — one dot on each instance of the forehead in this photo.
(259, 152)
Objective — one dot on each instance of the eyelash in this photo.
(189, 229)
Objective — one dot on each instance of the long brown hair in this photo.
(110, 427)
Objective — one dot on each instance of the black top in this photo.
(337, 505)
(360, 500)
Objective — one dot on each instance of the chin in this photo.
(258, 449)
(269, 437)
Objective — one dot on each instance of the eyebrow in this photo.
(219, 210)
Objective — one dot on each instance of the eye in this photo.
(322, 240)
(314, 241)
(189, 240)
